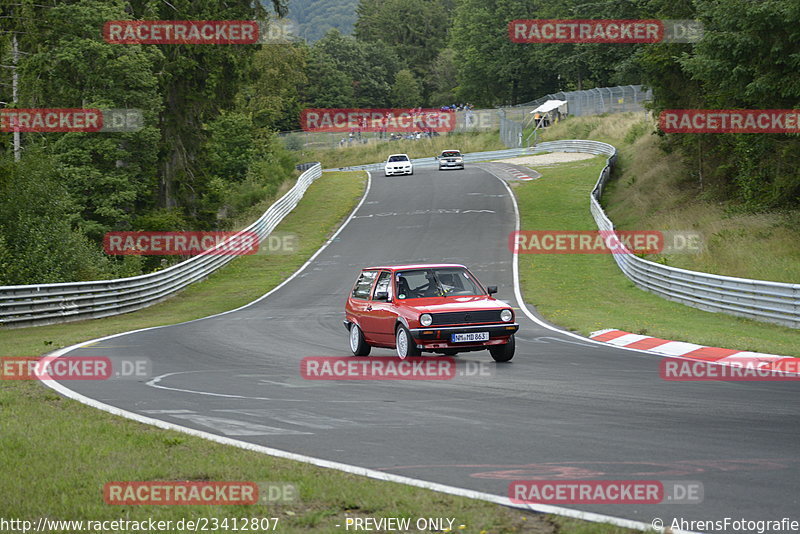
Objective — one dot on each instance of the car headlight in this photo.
(425, 319)
(506, 315)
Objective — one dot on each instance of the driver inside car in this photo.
(431, 289)
(449, 283)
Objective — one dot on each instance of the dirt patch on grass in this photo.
(547, 159)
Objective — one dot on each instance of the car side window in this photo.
(364, 284)
(384, 283)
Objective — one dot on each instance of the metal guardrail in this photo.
(40, 304)
(774, 302)
(430, 161)
(762, 300)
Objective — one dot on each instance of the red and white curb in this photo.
(517, 173)
(682, 349)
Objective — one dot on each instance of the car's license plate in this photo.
(471, 336)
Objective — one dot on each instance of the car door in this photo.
(382, 316)
(359, 304)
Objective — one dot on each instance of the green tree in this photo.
(343, 72)
(415, 29)
(492, 70)
(406, 90)
(272, 94)
(40, 236)
(108, 175)
(443, 78)
(747, 59)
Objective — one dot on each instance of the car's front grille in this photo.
(479, 316)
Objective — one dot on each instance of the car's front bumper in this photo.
(438, 337)
(404, 170)
(451, 165)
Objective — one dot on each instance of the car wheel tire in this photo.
(404, 343)
(503, 353)
(357, 343)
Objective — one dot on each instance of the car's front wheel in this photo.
(503, 353)
(357, 343)
(405, 344)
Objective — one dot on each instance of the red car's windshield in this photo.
(436, 282)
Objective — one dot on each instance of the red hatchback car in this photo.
(438, 308)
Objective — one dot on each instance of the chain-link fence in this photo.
(511, 120)
(579, 103)
(472, 120)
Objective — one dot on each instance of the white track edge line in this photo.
(347, 468)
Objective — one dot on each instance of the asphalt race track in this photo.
(563, 409)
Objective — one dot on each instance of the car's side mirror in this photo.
(382, 295)
(491, 289)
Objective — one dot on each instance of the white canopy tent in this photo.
(543, 115)
(550, 105)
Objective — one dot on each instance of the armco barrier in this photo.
(41, 304)
(431, 161)
(762, 300)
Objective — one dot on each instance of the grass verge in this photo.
(56, 454)
(587, 292)
(653, 190)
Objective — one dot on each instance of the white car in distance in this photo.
(398, 164)
(451, 159)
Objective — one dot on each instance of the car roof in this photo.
(413, 266)
(390, 155)
(451, 150)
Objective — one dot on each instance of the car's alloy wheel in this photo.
(357, 343)
(503, 353)
(405, 343)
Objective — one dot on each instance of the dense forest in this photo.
(315, 17)
(208, 150)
